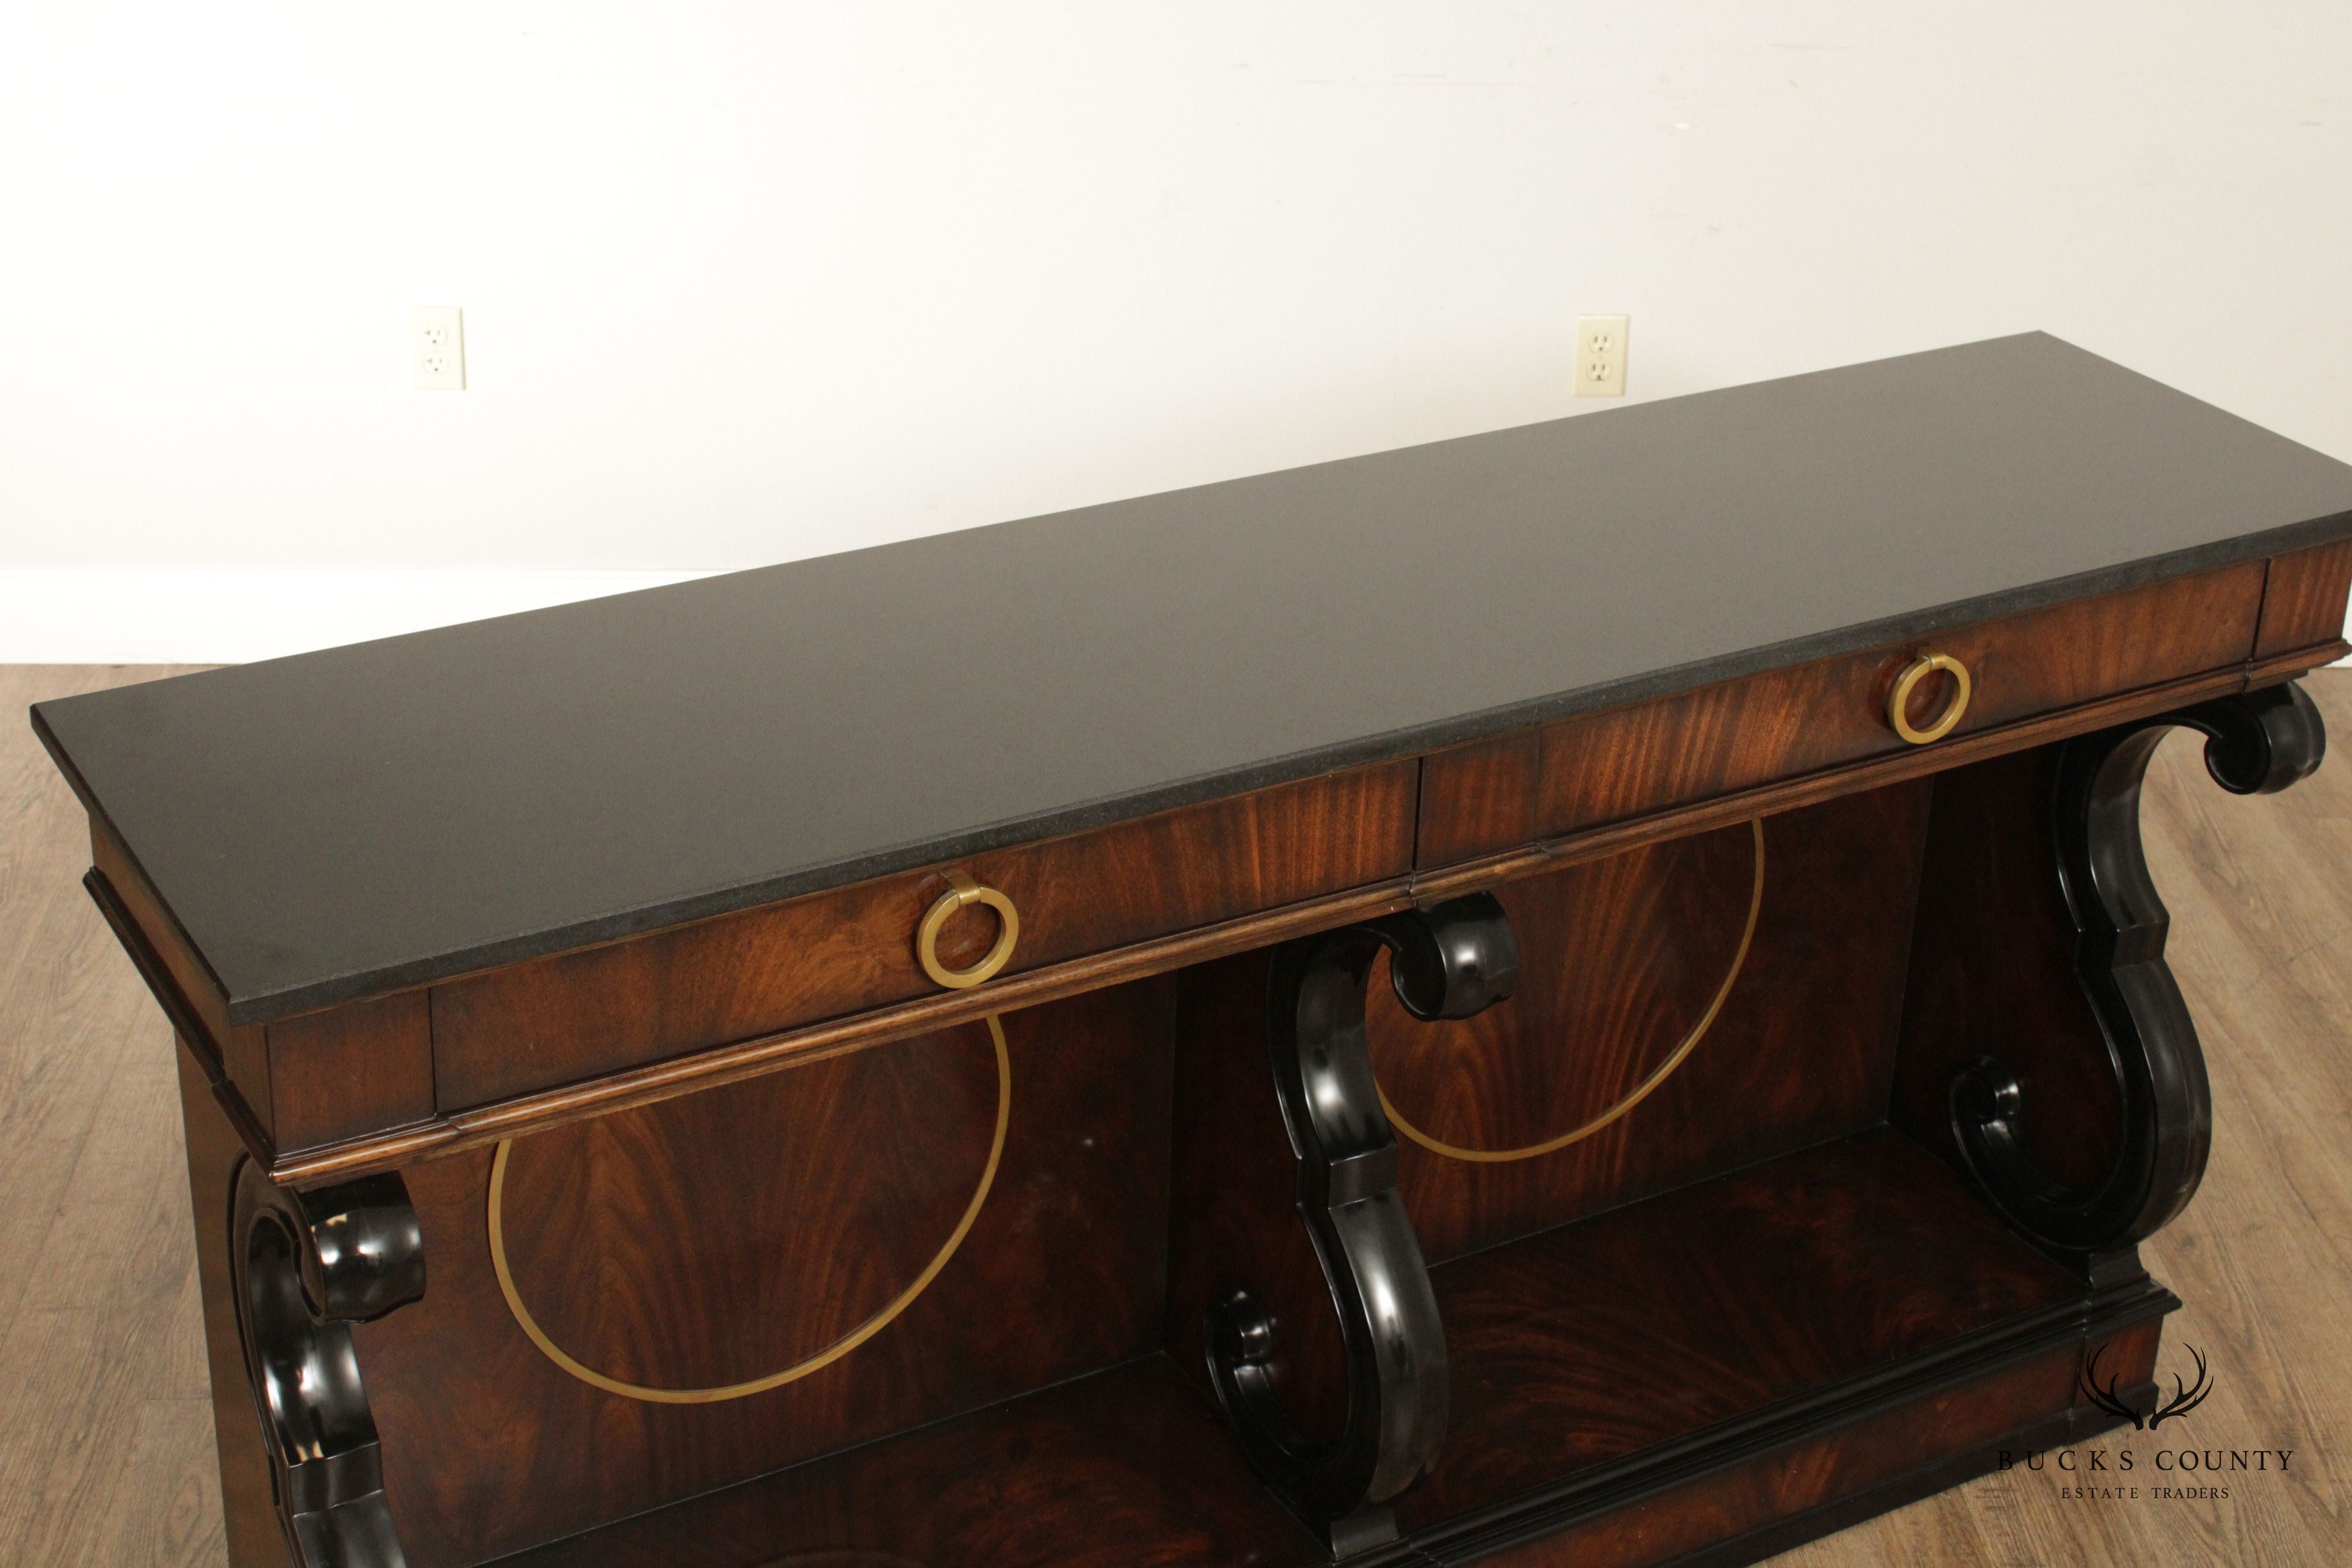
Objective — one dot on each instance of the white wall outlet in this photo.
(436, 347)
(1601, 356)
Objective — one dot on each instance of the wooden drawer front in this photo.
(2302, 606)
(1605, 767)
(557, 1020)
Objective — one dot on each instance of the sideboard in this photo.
(1582, 994)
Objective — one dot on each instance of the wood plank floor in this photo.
(105, 1452)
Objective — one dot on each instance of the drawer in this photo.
(557, 1020)
(2302, 603)
(1604, 767)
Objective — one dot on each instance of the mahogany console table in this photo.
(1582, 994)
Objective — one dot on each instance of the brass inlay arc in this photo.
(824, 1358)
(1642, 1090)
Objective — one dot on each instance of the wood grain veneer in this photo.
(723, 1236)
(1569, 1331)
(1620, 957)
(452, 1131)
(1592, 1343)
(1694, 746)
(2304, 602)
(1125, 1468)
(2009, 1408)
(557, 1020)
(1797, 1493)
(1993, 968)
(1233, 1185)
(360, 1068)
(1128, 1469)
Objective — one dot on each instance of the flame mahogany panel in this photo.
(1234, 1213)
(2304, 603)
(360, 1068)
(714, 1239)
(1807, 1489)
(1605, 767)
(1993, 969)
(727, 1235)
(2022, 1405)
(1128, 1469)
(1619, 957)
(560, 1019)
(1594, 1341)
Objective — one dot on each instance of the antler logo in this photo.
(2183, 1400)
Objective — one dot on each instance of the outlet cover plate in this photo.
(1601, 356)
(436, 347)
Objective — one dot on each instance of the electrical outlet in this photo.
(436, 347)
(1601, 356)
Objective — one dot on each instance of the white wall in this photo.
(750, 281)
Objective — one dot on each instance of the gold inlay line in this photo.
(824, 1358)
(1641, 1091)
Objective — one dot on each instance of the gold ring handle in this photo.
(961, 892)
(794, 1374)
(1665, 1070)
(1898, 701)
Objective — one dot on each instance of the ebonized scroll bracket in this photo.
(2257, 742)
(1449, 962)
(306, 1266)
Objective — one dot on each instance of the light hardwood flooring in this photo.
(106, 1449)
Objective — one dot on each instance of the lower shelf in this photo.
(1744, 1349)
(1680, 1375)
(1128, 1468)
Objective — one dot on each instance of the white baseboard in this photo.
(70, 616)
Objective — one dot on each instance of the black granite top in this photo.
(369, 817)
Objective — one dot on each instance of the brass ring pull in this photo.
(962, 890)
(1898, 701)
(794, 1374)
(1665, 1070)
